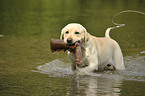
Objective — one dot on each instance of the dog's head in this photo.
(73, 33)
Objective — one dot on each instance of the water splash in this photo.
(55, 68)
(143, 52)
(121, 25)
(134, 69)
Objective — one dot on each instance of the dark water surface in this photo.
(28, 68)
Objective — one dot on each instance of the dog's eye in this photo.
(77, 33)
(66, 32)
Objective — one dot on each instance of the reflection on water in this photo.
(93, 85)
(107, 83)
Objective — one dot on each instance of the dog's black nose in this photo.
(69, 40)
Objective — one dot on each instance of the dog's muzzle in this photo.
(70, 42)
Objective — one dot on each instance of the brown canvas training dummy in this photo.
(59, 45)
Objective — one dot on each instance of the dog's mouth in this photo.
(72, 44)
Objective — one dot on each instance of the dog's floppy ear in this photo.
(62, 35)
(85, 36)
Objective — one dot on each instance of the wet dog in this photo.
(98, 53)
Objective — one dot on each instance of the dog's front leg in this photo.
(92, 67)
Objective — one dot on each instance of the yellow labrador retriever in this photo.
(98, 53)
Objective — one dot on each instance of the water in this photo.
(101, 83)
(28, 68)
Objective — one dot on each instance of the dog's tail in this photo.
(107, 32)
